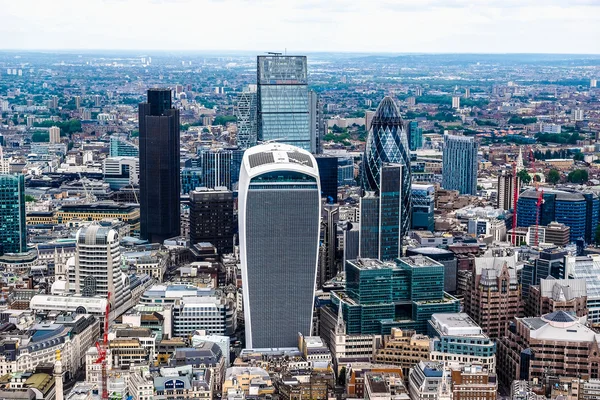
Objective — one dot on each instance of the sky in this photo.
(394, 26)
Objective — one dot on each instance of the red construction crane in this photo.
(537, 217)
(515, 199)
(103, 349)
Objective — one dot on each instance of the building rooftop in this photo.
(456, 324)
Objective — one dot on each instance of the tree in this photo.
(553, 176)
(524, 177)
(578, 157)
(578, 176)
(341, 381)
(29, 198)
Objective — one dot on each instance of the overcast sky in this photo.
(479, 26)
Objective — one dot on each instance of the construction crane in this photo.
(537, 217)
(103, 349)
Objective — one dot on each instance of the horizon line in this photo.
(299, 52)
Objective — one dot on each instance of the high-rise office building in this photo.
(387, 142)
(282, 100)
(316, 121)
(328, 174)
(13, 232)
(579, 210)
(191, 178)
(54, 132)
(279, 220)
(459, 164)
(415, 136)
(506, 187)
(211, 218)
(369, 226)
(216, 167)
(423, 206)
(245, 111)
(159, 167)
(120, 172)
(329, 256)
(97, 269)
(390, 211)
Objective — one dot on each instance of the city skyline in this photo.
(451, 26)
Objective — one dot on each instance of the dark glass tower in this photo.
(13, 232)
(388, 143)
(159, 167)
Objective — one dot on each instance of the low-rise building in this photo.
(457, 339)
(403, 348)
(551, 295)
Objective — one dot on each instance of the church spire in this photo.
(340, 327)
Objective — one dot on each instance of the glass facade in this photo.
(328, 175)
(404, 294)
(577, 210)
(246, 120)
(415, 136)
(459, 164)
(13, 232)
(191, 178)
(120, 147)
(279, 222)
(346, 172)
(282, 100)
(387, 142)
(159, 167)
(390, 212)
(369, 226)
(423, 199)
(216, 167)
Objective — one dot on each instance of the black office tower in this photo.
(211, 218)
(159, 167)
(328, 176)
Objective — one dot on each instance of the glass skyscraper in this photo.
(282, 101)
(245, 111)
(459, 164)
(13, 232)
(159, 167)
(279, 219)
(390, 212)
(387, 142)
(415, 135)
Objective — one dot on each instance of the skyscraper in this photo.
(13, 232)
(279, 219)
(328, 174)
(54, 132)
(387, 142)
(245, 111)
(390, 212)
(459, 164)
(317, 124)
(369, 226)
(415, 135)
(282, 100)
(216, 167)
(159, 167)
(98, 266)
(211, 218)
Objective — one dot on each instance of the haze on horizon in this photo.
(394, 26)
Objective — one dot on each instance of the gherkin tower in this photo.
(387, 142)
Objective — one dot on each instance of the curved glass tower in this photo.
(279, 220)
(388, 143)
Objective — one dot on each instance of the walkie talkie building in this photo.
(387, 142)
(279, 219)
